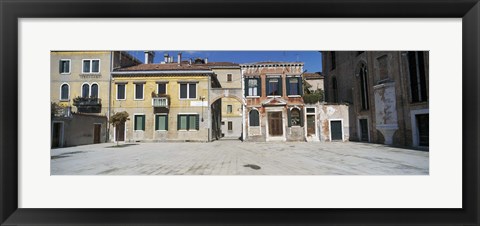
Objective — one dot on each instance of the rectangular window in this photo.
(229, 77)
(139, 122)
(188, 122)
(274, 87)
(188, 90)
(64, 66)
(230, 126)
(91, 66)
(139, 91)
(120, 91)
(162, 88)
(161, 122)
(418, 85)
(293, 86)
(252, 87)
(229, 109)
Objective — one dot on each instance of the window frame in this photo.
(229, 111)
(299, 86)
(68, 92)
(91, 66)
(229, 77)
(69, 66)
(155, 122)
(279, 85)
(188, 115)
(135, 90)
(230, 126)
(299, 117)
(166, 87)
(188, 91)
(98, 89)
(259, 84)
(250, 118)
(124, 91)
(135, 122)
(81, 90)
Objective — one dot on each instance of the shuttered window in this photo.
(294, 86)
(139, 122)
(252, 87)
(161, 122)
(188, 122)
(64, 66)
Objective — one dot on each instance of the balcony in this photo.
(160, 103)
(88, 104)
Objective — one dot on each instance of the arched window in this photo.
(94, 90)
(295, 117)
(254, 119)
(85, 90)
(64, 92)
(363, 87)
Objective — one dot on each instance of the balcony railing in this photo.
(88, 104)
(160, 102)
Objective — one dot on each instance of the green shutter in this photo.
(280, 82)
(267, 87)
(246, 87)
(289, 117)
(197, 126)
(300, 86)
(157, 122)
(301, 118)
(259, 86)
(166, 122)
(143, 122)
(178, 122)
(288, 85)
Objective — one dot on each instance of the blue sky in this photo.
(312, 59)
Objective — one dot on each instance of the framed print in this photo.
(143, 76)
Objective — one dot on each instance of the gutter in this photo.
(160, 72)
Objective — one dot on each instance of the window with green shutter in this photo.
(139, 123)
(188, 122)
(161, 122)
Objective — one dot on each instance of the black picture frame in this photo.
(12, 10)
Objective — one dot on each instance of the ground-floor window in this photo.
(230, 125)
(188, 122)
(161, 122)
(139, 122)
(253, 118)
(423, 131)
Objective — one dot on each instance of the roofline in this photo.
(162, 72)
(272, 64)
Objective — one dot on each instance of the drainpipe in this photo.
(209, 135)
(109, 96)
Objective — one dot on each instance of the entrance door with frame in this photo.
(336, 132)
(97, 128)
(120, 132)
(275, 123)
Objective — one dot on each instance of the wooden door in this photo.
(120, 132)
(310, 125)
(96, 133)
(275, 125)
(423, 131)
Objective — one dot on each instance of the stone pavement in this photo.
(234, 157)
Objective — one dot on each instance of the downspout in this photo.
(209, 110)
(109, 96)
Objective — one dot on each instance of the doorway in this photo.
(336, 132)
(363, 130)
(57, 135)
(97, 128)
(275, 125)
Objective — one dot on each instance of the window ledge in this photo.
(253, 97)
(294, 96)
(274, 96)
(66, 100)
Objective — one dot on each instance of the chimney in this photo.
(165, 57)
(179, 58)
(206, 60)
(170, 60)
(190, 61)
(149, 55)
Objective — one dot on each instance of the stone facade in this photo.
(274, 105)
(387, 94)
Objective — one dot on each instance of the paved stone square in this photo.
(232, 157)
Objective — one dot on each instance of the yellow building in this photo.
(80, 82)
(169, 101)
